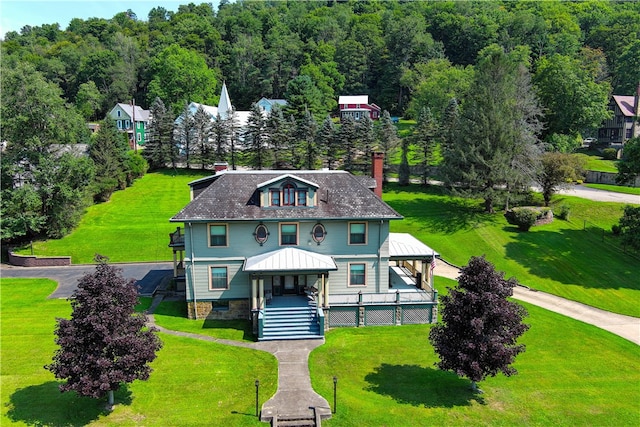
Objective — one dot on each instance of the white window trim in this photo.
(210, 271)
(226, 226)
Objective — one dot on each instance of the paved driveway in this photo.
(148, 275)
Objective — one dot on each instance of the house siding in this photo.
(242, 245)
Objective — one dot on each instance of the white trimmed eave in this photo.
(405, 246)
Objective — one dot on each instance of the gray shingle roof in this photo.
(233, 196)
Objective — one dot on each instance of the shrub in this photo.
(563, 212)
(524, 218)
(616, 229)
(610, 154)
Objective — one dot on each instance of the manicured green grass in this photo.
(565, 258)
(132, 226)
(616, 188)
(173, 315)
(571, 374)
(193, 382)
(595, 162)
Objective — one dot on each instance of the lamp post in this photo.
(335, 386)
(257, 394)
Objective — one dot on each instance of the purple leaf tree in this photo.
(105, 343)
(479, 329)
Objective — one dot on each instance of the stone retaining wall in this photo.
(34, 261)
(238, 309)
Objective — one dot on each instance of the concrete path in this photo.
(625, 326)
(295, 396)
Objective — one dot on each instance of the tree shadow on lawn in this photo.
(573, 257)
(446, 215)
(238, 325)
(44, 404)
(419, 386)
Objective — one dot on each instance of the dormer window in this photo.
(275, 197)
(289, 195)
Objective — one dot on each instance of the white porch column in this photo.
(175, 265)
(325, 289)
(254, 293)
(261, 293)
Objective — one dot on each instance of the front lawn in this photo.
(565, 258)
(571, 374)
(616, 189)
(132, 226)
(193, 382)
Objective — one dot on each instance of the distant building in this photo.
(624, 123)
(133, 120)
(266, 105)
(224, 108)
(358, 107)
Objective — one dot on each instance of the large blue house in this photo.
(298, 252)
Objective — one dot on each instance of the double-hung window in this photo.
(357, 275)
(357, 233)
(218, 278)
(217, 235)
(289, 195)
(288, 234)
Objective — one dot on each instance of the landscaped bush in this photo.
(524, 218)
(563, 212)
(609, 154)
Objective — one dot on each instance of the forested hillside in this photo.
(421, 60)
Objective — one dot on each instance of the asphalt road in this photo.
(147, 275)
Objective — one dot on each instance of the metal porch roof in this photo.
(405, 246)
(289, 259)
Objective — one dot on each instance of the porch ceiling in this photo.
(289, 259)
(405, 246)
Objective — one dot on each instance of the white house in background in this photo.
(133, 120)
(224, 109)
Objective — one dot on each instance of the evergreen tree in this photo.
(233, 129)
(255, 139)
(388, 137)
(278, 134)
(220, 136)
(202, 137)
(424, 139)
(159, 149)
(109, 153)
(494, 145)
(480, 326)
(366, 135)
(404, 172)
(105, 343)
(183, 133)
(348, 137)
(328, 142)
(306, 133)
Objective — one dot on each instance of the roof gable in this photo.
(626, 104)
(286, 177)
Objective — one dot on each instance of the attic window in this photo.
(288, 195)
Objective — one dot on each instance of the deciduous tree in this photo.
(480, 327)
(105, 343)
(629, 165)
(558, 170)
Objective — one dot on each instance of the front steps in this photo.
(291, 323)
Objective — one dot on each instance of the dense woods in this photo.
(419, 60)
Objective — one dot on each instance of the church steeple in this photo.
(224, 106)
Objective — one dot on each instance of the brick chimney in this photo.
(377, 165)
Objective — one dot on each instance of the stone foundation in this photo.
(238, 309)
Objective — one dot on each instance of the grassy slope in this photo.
(560, 258)
(133, 226)
(193, 381)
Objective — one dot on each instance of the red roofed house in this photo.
(358, 107)
(623, 125)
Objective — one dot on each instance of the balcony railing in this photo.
(176, 238)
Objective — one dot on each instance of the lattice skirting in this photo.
(380, 315)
